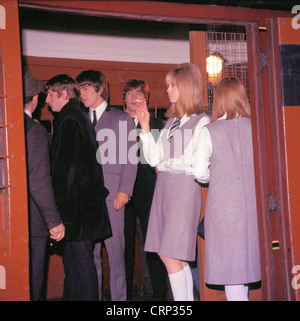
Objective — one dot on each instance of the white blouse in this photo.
(183, 164)
(203, 153)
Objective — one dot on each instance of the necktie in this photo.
(133, 119)
(94, 118)
(137, 137)
(174, 128)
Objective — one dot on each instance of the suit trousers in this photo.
(140, 207)
(80, 273)
(115, 247)
(37, 266)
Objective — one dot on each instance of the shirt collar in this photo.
(185, 118)
(28, 113)
(223, 117)
(99, 110)
(101, 107)
(135, 120)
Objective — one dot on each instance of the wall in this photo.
(117, 73)
(72, 45)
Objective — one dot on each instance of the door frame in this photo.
(270, 163)
(279, 159)
(14, 252)
(264, 141)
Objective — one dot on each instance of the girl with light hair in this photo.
(176, 206)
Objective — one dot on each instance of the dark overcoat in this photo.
(43, 214)
(77, 176)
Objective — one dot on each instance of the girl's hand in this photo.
(143, 116)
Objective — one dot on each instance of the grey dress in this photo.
(231, 231)
(176, 206)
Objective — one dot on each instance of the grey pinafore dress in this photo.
(176, 205)
(231, 231)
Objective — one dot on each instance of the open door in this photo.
(273, 77)
(275, 72)
(230, 45)
(283, 63)
(14, 270)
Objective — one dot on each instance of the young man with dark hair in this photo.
(119, 172)
(78, 189)
(134, 92)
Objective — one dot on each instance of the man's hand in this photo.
(120, 200)
(57, 232)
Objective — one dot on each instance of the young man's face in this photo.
(132, 98)
(90, 97)
(55, 102)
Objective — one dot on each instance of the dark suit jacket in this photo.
(77, 176)
(43, 214)
(120, 175)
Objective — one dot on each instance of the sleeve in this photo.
(152, 150)
(202, 157)
(40, 183)
(129, 169)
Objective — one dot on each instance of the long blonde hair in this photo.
(187, 77)
(230, 98)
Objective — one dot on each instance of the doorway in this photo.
(252, 68)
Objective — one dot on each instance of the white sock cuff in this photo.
(176, 274)
(178, 285)
(187, 269)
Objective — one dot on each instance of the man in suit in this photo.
(136, 91)
(119, 171)
(78, 189)
(44, 219)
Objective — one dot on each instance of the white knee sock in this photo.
(236, 292)
(179, 285)
(189, 282)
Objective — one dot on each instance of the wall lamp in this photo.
(214, 67)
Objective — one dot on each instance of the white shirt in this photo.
(183, 164)
(135, 120)
(203, 153)
(99, 110)
(202, 156)
(28, 113)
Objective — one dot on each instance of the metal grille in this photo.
(229, 43)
